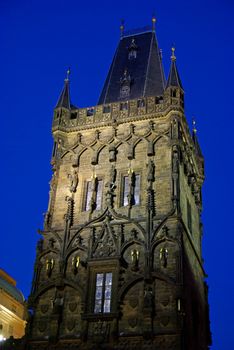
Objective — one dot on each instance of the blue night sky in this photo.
(39, 40)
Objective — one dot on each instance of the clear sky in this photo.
(39, 40)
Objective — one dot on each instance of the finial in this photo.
(173, 57)
(121, 28)
(194, 126)
(68, 74)
(153, 22)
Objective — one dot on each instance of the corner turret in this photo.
(174, 86)
(64, 98)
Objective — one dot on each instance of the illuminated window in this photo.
(103, 292)
(135, 190)
(99, 189)
(88, 196)
(93, 195)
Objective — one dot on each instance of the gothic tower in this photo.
(119, 265)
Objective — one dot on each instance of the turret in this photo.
(174, 85)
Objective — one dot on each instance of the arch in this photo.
(48, 251)
(67, 152)
(127, 286)
(53, 284)
(73, 249)
(127, 244)
(165, 136)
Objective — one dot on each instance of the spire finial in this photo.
(121, 28)
(173, 57)
(153, 21)
(194, 126)
(68, 74)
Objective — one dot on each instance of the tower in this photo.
(119, 264)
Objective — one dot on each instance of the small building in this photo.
(12, 308)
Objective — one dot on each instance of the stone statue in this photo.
(135, 259)
(49, 266)
(164, 256)
(75, 264)
(74, 181)
(175, 162)
(150, 175)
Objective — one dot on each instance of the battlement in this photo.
(119, 112)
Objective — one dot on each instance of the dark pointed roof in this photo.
(145, 70)
(174, 78)
(64, 98)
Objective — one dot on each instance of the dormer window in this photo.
(125, 83)
(132, 50)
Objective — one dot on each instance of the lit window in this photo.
(93, 196)
(99, 194)
(125, 191)
(134, 189)
(103, 292)
(137, 189)
(88, 195)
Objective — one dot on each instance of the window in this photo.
(90, 112)
(123, 106)
(13, 308)
(132, 189)
(103, 292)
(137, 189)
(73, 115)
(132, 54)
(54, 149)
(140, 103)
(88, 195)
(106, 109)
(189, 216)
(99, 188)
(93, 195)
(158, 100)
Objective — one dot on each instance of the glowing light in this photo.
(2, 338)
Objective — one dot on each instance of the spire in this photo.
(195, 139)
(174, 78)
(122, 28)
(137, 52)
(64, 98)
(194, 129)
(153, 22)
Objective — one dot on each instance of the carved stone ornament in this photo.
(105, 245)
(132, 321)
(133, 302)
(71, 324)
(164, 320)
(165, 301)
(42, 325)
(72, 306)
(44, 308)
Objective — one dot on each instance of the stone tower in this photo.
(119, 265)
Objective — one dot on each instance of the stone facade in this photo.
(124, 207)
(12, 309)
